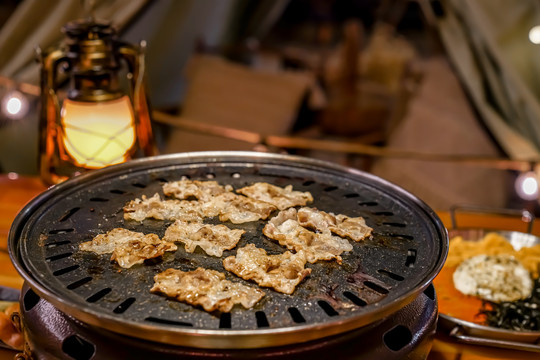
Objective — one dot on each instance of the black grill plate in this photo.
(380, 276)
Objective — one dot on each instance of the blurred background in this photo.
(438, 97)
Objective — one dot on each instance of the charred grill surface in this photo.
(379, 276)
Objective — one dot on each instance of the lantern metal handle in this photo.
(135, 59)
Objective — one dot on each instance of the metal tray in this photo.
(471, 333)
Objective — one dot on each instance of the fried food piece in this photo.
(128, 247)
(281, 272)
(282, 198)
(207, 288)
(354, 228)
(530, 258)
(493, 244)
(213, 239)
(237, 209)
(201, 190)
(317, 246)
(155, 207)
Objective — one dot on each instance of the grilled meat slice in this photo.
(354, 228)
(282, 198)
(237, 209)
(213, 239)
(128, 247)
(156, 208)
(201, 190)
(282, 272)
(207, 288)
(286, 229)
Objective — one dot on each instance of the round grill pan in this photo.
(380, 276)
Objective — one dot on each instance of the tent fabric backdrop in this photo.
(487, 41)
(38, 23)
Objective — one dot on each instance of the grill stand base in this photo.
(407, 334)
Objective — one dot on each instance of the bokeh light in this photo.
(534, 34)
(527, 186)
(14, 105)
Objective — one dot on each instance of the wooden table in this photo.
(16, 191)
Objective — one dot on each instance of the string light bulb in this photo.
(526, 185)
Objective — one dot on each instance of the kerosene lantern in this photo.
(94, 109)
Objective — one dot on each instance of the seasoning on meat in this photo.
(282, 198)
(317, 246)
(207, 288)
(201, 190)
(281, 272)
(494, 278)
(156, 208)
(237, 209)
(213, 239)
(128, 247)
(354, 228)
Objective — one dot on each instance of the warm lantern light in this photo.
(98, 134)
(102, 118)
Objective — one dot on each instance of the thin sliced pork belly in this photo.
(201, 190)
(317, 246)
(105, 243)
(237, 209)
(242, 209)
(213, 239)
(228, 206)
(207, 288)
(137, 251)
(156, 208)
(282, 272)
(282, 198)
(344, 226)
(128, 247)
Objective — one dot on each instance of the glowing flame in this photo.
(98, 134)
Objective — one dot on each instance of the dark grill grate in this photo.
(380, 275)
